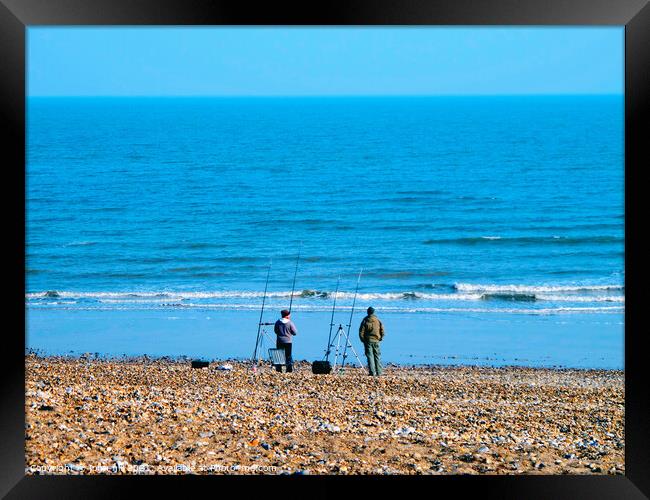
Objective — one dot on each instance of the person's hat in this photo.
(371, 310)
(285, 313)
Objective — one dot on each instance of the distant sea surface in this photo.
(456, 210)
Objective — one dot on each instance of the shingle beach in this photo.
(144, 416)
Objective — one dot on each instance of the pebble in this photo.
(432, 420)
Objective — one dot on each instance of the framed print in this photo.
(370, 240)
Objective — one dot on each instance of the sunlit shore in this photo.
(89, 416)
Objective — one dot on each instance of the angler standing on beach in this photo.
(371, 332)
(285, 330)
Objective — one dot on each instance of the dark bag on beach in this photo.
(321, 367)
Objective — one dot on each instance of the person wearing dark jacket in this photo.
(285, 330)
(371, 332)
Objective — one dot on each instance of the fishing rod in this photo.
(349, 325)
(293, 287)
(259, 324)
(329, 337)
(354, 301)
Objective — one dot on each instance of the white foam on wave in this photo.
(323, 308)
(532, 289)
(166, 296)
(151, 300)
(154, 295)
(466, 292)
(545, 311)
(80, 243)
(580, 298)
(84, 295)
(410, 295)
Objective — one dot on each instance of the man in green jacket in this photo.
(371, 332)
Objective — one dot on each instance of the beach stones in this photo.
(448, 420)
(404, 431)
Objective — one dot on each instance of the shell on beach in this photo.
(86, 416)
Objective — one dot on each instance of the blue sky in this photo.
(251, 61)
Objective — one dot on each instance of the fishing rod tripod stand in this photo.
(260, 345)
(336, 342)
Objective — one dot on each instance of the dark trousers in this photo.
(287, 355)
(373, 353)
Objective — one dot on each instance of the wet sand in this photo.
(143, 416)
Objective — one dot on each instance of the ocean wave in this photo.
(161, 300)
(574, 298)
(344, 308)
(528, 240)
(103, 209)
(171, 295)
(539, 297)
(522, 297)
(424, 192)
(208, 275)
(534, 289)
(542, 311)
(189, 269)
(458, 292)
(80, 244)
(292, 222)
(55, 293)
(37, 271)
(193, 245)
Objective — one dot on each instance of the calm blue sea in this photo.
(157, 218)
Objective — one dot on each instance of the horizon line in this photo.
(285, 96)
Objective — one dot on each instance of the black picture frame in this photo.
(17, 15)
